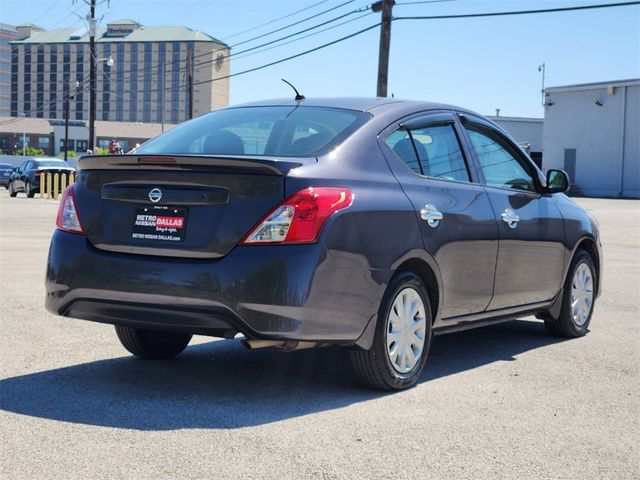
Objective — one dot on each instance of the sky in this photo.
(477, 63)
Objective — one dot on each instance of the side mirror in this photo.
(557, 181)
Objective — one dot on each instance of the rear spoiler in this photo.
(221, 163)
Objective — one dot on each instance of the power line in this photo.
(293, 24)
(424, 2)
(520, 12)
(278, 19)
(306, 52)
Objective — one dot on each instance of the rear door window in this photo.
(433, 151)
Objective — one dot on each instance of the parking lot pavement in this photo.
(502, 402)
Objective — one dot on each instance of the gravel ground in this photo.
(506, 401)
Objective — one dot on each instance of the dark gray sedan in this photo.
(372, 224)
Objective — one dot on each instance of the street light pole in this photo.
(541, 68)
(92, 74)
(24, 137)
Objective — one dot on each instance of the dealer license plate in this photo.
(162, 223)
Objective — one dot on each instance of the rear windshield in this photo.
(51, 163)
(270, 131)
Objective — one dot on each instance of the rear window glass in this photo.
(269, 131)
(51, 163)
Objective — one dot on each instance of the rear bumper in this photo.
(297, 292)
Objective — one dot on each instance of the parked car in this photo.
(26, 178)
(372, 224)
(5, 174)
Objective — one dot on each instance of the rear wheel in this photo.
(12, 192)
(402, 339)
(152, 344)
(577, 300)
(28, 190)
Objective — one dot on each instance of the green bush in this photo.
(70, 154)
(30, 151)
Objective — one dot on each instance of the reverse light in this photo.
(68, 219)
(300, 218)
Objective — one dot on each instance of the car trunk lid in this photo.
(176, 205)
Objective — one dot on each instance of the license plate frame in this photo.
(161, 223)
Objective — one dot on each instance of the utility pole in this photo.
(92, 74)
(386, 7)
(190, 83)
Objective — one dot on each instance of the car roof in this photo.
(364, 104)
(48, 159)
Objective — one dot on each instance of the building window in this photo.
(175, 83)
(79, 97)
(43, 142)
(133, 84)
(70, 145)
(148, 65)
(120, 82)
(161, 83)
(106, 82)
(82, 145)
(27, 80)
(40, 81)
(14, 81)
(53, 81)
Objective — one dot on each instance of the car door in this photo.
(19, 179)
(456, 220)
(531, 230)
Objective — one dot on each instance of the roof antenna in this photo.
(298, 96)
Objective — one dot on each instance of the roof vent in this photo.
(78, 34)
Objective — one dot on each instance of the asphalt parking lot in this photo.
(502, 402)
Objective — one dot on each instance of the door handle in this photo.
(431, 214)
(511, 218)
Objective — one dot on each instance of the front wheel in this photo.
(402, 339)
(152, 344)
(577, 300)
(12, 192)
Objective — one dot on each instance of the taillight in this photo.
(300, 218)
(37, 172)
(68, 219)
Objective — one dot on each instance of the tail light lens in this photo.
(68, 219)
(300, 218)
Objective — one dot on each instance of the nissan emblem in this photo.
(155, 195)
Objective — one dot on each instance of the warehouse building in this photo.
(526, 131)
(144, 74)
(592, 132)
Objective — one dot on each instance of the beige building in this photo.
(143, 73)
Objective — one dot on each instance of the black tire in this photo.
(374, 366)
(151, 344)
(28, 190)
(12, 192)
(565, 325)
